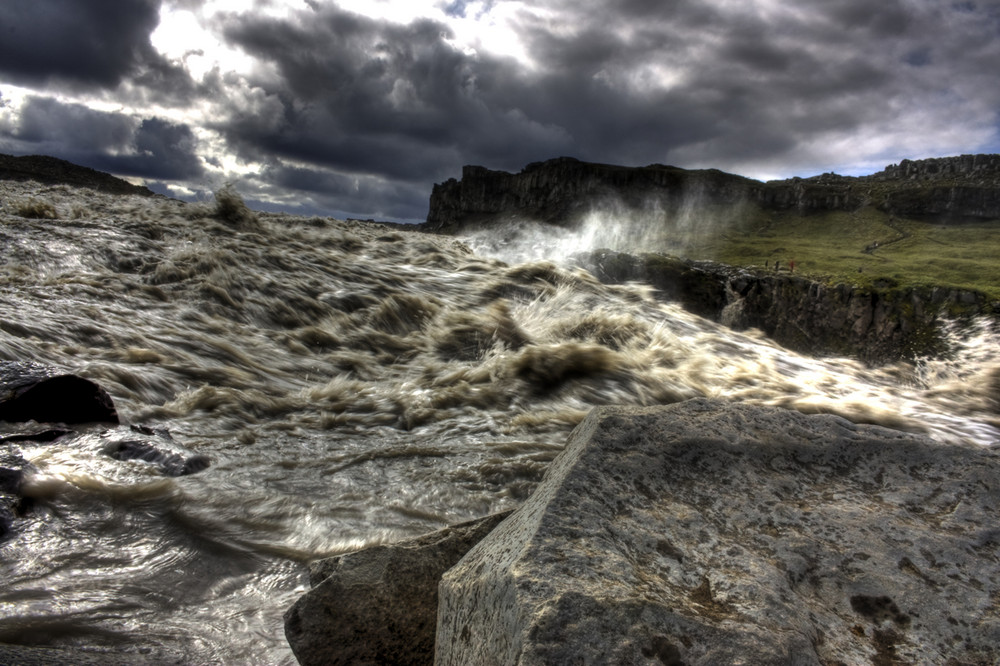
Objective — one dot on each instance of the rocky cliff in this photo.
(881, 324)
(888, 313)
(561, 191)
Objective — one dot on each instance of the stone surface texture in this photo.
(715, 533)
(379, 605)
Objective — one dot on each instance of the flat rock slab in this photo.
(715, 533)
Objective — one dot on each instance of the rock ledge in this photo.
(713, 533)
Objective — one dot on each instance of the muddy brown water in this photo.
(351, 384)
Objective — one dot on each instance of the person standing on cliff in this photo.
(791, 266)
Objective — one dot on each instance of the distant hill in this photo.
(51, 170)
(563, 190)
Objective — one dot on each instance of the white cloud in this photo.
(184, 35)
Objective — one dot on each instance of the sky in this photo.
(355, 108)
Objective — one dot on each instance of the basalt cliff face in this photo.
(880, 320)
(877, 325)
(562, 190)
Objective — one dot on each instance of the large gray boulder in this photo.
(379, 605)
(715, 533)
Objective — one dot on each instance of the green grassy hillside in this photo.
(837, 246)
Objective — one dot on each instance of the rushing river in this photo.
(351, 384)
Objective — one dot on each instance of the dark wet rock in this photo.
(155, 448)
(33, 392)
(53, 171)
(713, 533)
(379, 605)
(50, 435)
(151, 431)
(12, 505)
(11, 466)
(168, 462)
(8, 513)
(880, 324)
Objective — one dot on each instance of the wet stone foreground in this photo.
(705, 532)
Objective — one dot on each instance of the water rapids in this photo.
(351, 384)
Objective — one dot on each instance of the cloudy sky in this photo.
(357, 107)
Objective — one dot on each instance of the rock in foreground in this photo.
(379, 605)
(710, 533)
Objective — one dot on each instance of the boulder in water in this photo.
(33, 392)
(168, 462)
(714, 533)
(379, 605)
(12, 467)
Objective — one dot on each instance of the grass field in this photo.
(839, 247)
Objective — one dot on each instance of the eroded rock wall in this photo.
(877, 325)
(561, 191)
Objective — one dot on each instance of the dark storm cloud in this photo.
(162, 151)
(114, 142)
(379, 98)
(400, 102)
(91, 42)
(633, 82)
(49, 123)
(309, 180)
(759, 79)
(346, 195)
(363, 114)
